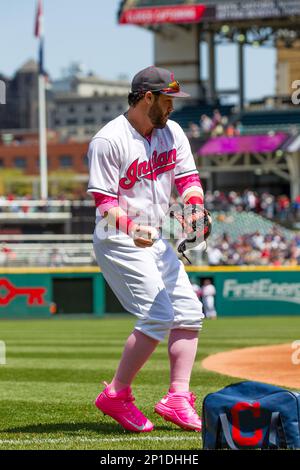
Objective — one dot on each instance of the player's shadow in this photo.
(74, 428)
(70, 428)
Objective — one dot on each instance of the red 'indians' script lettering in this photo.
(150, 169)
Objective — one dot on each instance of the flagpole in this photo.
(43, 138)
(39, 33)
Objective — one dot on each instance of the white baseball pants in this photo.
(151, 283)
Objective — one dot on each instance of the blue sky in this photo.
(87, 32)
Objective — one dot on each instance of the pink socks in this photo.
(137, 351)
(139, 347)
(182, 353)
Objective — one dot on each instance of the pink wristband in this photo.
(104, 203)
(123, 223)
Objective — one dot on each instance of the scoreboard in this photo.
(253, 9)
(193, 11)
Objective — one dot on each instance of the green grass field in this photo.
(55, 368)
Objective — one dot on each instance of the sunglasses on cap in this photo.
(173, 87)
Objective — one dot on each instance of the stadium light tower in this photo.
(179, 26)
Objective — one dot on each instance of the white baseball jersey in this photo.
(140, 173)
(149, 282)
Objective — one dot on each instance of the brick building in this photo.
(61, 156)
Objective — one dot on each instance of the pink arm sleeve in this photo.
(186, 182)
(104, 203)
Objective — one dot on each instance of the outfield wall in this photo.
(43, 292)
(253, 290)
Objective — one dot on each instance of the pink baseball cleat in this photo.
(178, 407)
(120, 407)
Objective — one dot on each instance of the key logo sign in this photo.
(8, 292)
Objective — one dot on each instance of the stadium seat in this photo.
(236, 224)
(192, 114)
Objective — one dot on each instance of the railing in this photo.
(41, 206)
(47, 238)
(46, 254)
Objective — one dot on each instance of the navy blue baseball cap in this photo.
(159, 80)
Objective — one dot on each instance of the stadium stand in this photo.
(50, 254)
(249, 122)
(240, 235)
(23, 215)
(248, 239)
(192, 114)
(272, 117)
(236, 224)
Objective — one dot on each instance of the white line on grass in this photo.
(67, 440)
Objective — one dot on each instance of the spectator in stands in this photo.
(296, 207)
(215, 256)
(43, 258)
(273, 248)
(6, 254)
(57, 257)
(236, 200)
(219, 125)
(283, 206)
(193, 131)
(206, 124)
(209, 200)
(218, 130)
(267, 205)
(250, 200)
(3, 256)
(230, 130)
(257, 241)
(238, 128)
(221, 202)
(217, 118)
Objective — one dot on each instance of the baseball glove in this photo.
(196, 223)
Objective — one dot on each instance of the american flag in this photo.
(38, 29)
(39, 33)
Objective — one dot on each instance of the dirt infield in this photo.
(270, 364)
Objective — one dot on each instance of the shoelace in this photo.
(191, 401)
(191, 398)
(128, 398)
(133, 410)
(128, 402)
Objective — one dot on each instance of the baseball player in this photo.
(208, 299)
(134, 162)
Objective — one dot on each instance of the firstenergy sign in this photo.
(262, 289)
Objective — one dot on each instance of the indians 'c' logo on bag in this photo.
(236, 430)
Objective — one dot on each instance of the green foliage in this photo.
(13, 181)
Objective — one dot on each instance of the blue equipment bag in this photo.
(251, 415)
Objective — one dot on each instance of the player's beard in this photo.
(157, 116)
